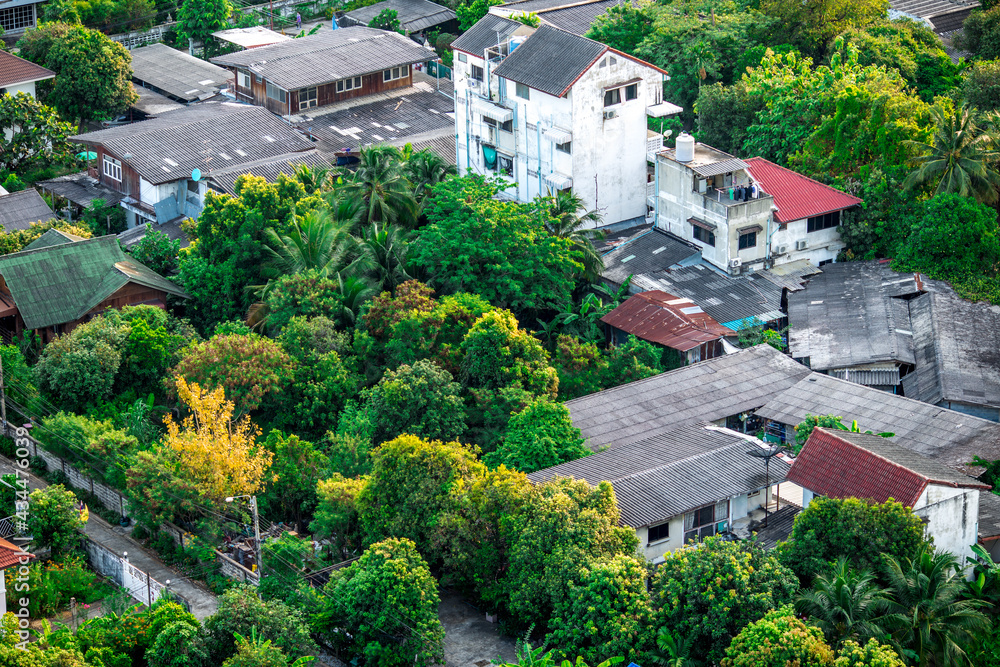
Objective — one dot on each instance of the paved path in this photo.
(203, 603)
(470, 640)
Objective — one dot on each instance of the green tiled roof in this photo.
(54, 284)
(50, 238)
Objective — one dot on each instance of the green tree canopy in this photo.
(383, 609)
(872, 654)
(540, 436)
(198, 19)
(865, 533)
(93, 73)
(777, 640)
(812, 25)
(981, 33)
(421, 400)
(54, 520)
(981, 86)
(38, 137)
(241, 611)
(297, 467)
(713, 590)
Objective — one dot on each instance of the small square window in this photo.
(748, 240)
(565, 148)
(612, 97)
(703, 235)
(632, 91)
(462, 58)
(657, 533)
(522, 91)
(477, 73)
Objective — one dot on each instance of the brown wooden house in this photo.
(60, 280)
(331, 66)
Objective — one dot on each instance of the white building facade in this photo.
(548, 110)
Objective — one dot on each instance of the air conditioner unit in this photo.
(472, 83)
(735, 263)
(782, 249)
(801, 245)
(610, 114)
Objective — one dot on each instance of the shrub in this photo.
(540, 436)
(778, 640)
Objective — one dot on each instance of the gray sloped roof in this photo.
(207, 136)
(224, 180)
(733, 302)
(673, 472)
(413, 15)
(791, 275)
(483, 35)
(950, 437)
(19, 209)
(891, 449)
(550, 60)
(649, 252)
(575, 18)
(329, 55)
(957, 349)
(176, 73)
(705, 391)
(989, 515)
(849, 315)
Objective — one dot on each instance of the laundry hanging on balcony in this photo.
(490, 157)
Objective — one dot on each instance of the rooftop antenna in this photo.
(766, 453)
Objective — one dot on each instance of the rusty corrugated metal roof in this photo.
(665, 319)
(796, 196)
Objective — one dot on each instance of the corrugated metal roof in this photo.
(716, 168)
(176, 73)
(790, 275)
(328, 56)
(650, 252)
(857, 465)
(705, 391)
(52, 237)
(413, 15)
(14, 70)
(62, 283)
(576, 18)
(663, 318)
(796, 196)
(252, 37)
(224, 180)
(81, 189)
(989, 516)
(19, 209)
(551, 60)
(488, 31)
(949, 437)
(673, 472)
(207, 136)
(779, 526)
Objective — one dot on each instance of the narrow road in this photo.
(203, 603)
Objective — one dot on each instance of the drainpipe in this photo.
(656, 192)
(538, 130)
(767, 251)
(468, 114)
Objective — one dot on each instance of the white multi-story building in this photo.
(549, 110)
(745, 215)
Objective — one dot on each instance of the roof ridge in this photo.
(22, 253)
(800, 175)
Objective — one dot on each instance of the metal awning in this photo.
(701, 223)
(750, 228)
(494, 111)
(721, 167)
(663, 109)
(558, 181)
(557, 135)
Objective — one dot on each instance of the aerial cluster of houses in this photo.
(708, 243)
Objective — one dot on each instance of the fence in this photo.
(131, 40)
(140, 586)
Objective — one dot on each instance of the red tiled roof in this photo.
(797, 196)
(663, 318)
(11, 555)
(832, 465)
(14, 70)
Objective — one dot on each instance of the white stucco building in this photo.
(745, 215)
(840, 464)
(549, 110)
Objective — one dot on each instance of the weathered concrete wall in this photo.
(952, 517)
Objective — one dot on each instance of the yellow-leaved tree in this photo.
(222, 455)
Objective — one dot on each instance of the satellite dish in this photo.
(196, 174)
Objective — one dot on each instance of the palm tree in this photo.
(961, 158)
(380, 182)
(846, 604)
(930, 619)
(383, 254)
(353, 292)
(425, 170)
(672, 651)
(312, 178)
(565, 221)
(314, 241)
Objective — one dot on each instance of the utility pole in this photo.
(256, 534)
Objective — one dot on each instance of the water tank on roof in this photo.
(685, 147)
(516, 42)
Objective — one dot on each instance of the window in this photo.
(194, 187)
(242, 79)
(307, 98)
(276, 93)
(612, 97)
(565, 148)
(507, 126)
(477, 73)
(462, 58)
(505, 165)
(523, 91)
(112, 168)
(394, 74)
(15, 18)
(632, 92)
(748, 240)
(703, 235)
(348, 84)
(825, 221)
(256, 77)
(657, 533)
(706, 521)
